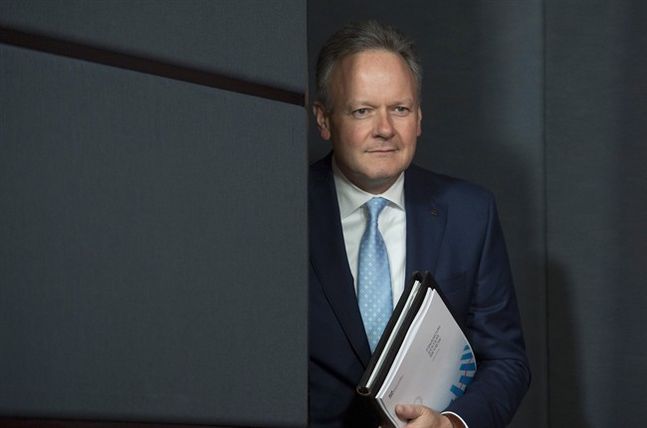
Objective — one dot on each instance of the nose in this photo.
(384, 125)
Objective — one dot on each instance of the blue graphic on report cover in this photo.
(466, 370)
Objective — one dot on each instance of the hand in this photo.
(419, 416)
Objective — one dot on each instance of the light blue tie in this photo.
(374, 276)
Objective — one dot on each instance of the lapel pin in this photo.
(434, 211)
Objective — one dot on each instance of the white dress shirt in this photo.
(392, 224)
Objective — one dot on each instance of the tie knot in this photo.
(374, 207)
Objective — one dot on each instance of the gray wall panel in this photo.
(597, 211)
(482, 120)
(152, 239)
(256, 40)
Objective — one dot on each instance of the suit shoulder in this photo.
(447, 188)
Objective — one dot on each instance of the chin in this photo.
(385, 174)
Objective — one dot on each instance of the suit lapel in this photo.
(426, 220)
(329, 260)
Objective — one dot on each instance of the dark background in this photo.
(132, 204)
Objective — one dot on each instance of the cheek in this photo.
(410, 136)
(410, 151)
(351, 138)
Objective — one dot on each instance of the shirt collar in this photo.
(351, 197)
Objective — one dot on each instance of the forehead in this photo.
(373, 74)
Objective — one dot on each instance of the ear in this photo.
(323, 120)
(419, 131)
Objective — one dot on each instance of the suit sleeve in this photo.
(494, 329)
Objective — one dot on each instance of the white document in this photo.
(434, 364)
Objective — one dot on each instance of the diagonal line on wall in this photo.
(152, 66)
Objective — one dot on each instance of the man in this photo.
(368, 105)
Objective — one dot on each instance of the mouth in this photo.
(382, 150)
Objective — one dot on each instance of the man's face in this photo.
(375, 118)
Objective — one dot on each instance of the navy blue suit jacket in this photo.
(453, 231)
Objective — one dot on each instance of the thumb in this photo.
(408, 411)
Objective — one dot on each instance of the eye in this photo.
(361, 112)
(402, 110)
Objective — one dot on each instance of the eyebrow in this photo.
(364, 102)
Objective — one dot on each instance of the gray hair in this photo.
(358, 37)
